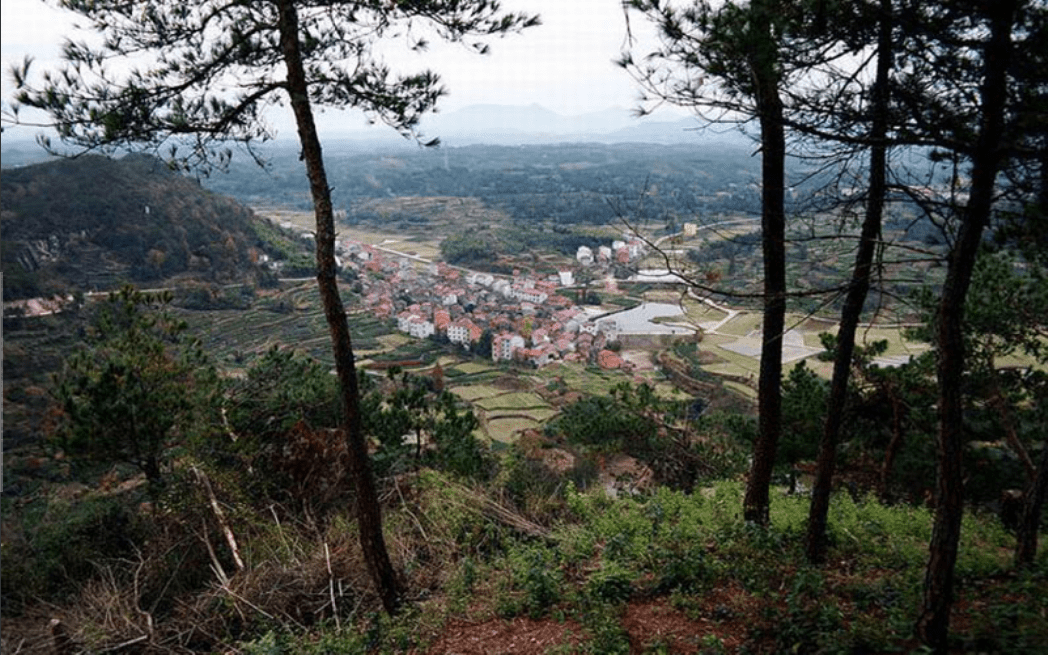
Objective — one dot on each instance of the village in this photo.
(522, 318)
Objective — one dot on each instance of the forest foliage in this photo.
(95, 223)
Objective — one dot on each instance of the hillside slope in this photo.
(93, 223)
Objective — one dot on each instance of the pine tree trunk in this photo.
(369, 513)
(764, 63)
(894, 445)
(933, 623)
(1029, 524)
(151, 467)
(815, 541)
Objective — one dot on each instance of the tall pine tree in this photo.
(180, 78)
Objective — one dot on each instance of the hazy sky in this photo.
(564, 64)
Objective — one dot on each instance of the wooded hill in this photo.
(93, 223)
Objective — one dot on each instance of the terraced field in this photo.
(475, 393)
(508, 428)
(514, 401)
(289, 317)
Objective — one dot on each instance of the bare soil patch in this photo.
(641, 359)
(519, 636)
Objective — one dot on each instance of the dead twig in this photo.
(331, 587)
(216, 566)
(404, 504)
(220, 517)
(125, 644)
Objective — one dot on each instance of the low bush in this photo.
(52, 555)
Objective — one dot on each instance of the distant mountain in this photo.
(488, 124)
(22, 151)
(534, 124)
(94, 223)
(512, 125)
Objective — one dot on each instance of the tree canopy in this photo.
(138, 388)
(181, 78)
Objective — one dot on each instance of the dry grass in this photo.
(506, 430)
(472, 367)
(476, 392)
(511, 401)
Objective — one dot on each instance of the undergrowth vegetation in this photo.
(246, 541)
(167, 575)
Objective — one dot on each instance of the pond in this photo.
(639, 319)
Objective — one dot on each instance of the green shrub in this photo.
(535, 585)
(137, 390)
(60, 550)
(685, 570)
(603, 622)
(808, 623)
(531, 485)
(612, 583)
(1014, 621)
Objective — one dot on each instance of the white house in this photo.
(584, 255)
(458, 331)
(420, 328)
(502, 287)
(480, 279)
(404, 320)
(503, 346)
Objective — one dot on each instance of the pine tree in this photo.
(726, 63)
(184, 77)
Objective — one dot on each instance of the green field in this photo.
(513, 401)
(580, 377)
(742, 324)
(700, 312)
(473, 393)
(473, 367)
(506, 430)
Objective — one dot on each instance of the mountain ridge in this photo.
(535, 124)
(93, 223)
(494, 124)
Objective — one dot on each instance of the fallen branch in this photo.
(221, 518)
(500, 513)
(125, 644)
(216, 566)
(331, 587)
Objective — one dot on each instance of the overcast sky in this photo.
(564, 64)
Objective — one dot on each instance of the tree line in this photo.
(853, 86)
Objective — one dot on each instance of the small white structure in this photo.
(459, 331)
(584, 255)
(480, 279)
(420, 328)
(404, 320)
(504, 345)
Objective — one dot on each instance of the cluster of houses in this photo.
(528, 321)
(619, 252)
